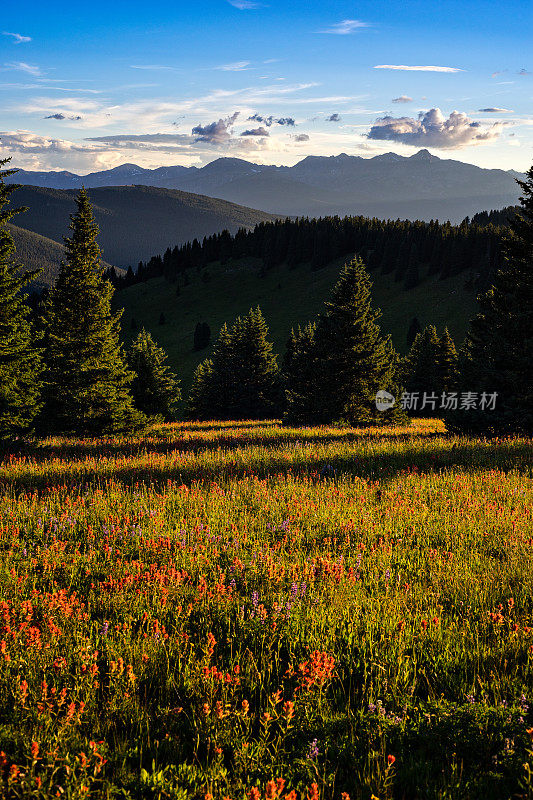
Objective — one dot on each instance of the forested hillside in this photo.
(134, 221)
(36, 252)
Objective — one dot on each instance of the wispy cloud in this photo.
(238, 66)
(494, 110)
(154, 66)
(18, 38)
(407, 68)
(432, 129)
(346, 27)
(524, 72)
(244, 5)
(22, 66)
(403, 98)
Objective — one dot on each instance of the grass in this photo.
(287, 298)
(207, 612)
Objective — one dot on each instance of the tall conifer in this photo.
(87, 382)
(19, 359)
(352, 359)
(498, 352)
(241, 379)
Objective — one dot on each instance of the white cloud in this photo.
(418, 69)
(238, 66)
(31, 69)
(18, 38)
(154, 66)
(432, 129)
(403, 98)
(346, 27)
(244, 5)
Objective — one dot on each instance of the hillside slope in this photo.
(287, 298)
(135, 221)
(34, 251)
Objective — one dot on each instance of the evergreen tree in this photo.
(303, 396)
(155, 388)
(19, 359)
(162, 319)
(413, 331)
(87, 382)
(447, 363)
(352, 360)
(498, 353)
(202, 403)
(241, 380)
(421, 372)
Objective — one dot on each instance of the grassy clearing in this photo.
(287, 298)
(247, 610)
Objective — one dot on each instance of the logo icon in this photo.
(384, 400)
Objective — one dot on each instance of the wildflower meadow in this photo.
(257, 612)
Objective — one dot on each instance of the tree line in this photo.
(402, 249)
(64, 369)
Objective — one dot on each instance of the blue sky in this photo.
(91, 87)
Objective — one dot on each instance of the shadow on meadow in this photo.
(375, 458)
(41, 451)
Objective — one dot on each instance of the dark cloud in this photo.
(333, 118)
(268, 121)
(301, 137)
(403, 98)
(61, 116)
(495, 110)
(256, 132)
(215, 132)
(432, 129)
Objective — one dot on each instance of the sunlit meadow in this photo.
(245, 610)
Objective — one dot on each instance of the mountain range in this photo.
(421, 186)
(135, 221)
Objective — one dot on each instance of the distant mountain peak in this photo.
(423, 155)
(125, 168)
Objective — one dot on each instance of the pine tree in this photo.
(155, 388)
(421, 372)
(304, 398)
(498, 352)
(241, 380)
(447, 363)
(413, 331)
(87, 382)
(19, 359)
(202, 403)
(352, 360)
